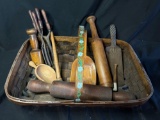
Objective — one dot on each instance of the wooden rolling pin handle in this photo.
(46, 20)
(91, 21)
(38, 86)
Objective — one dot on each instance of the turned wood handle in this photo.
(33, 39)
(46, 20)
(38, 86)
(39, 18)
(91, 21)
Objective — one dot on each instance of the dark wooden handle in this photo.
(36, 22)
(39, 18)
(46, 20)
(33, 22)
(38, 86)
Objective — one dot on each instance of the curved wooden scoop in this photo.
(89, 69)
(44, 72)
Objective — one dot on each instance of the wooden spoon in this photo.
(44, 72)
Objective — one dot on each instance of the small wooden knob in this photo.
(91, 18)
(31, 31)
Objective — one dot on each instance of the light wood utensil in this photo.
(44, 72)
(54, 51)
(100, 58)
(35, 53)
(89, 69)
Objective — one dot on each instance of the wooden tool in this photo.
(55, 57)
(89, 69)
(54, 51)
(115, 87)
(35, 53)
(44, 47)
(114, 54)
(100, 58)
(66, 90)
(44, 72)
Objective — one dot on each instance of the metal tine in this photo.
(48, 48)
(35, 24)
(46, 57)
(48, 28)
(55, 57)
(47, 38)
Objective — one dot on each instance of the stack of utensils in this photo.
(100, 78)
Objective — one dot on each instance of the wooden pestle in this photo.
(100, 58)
(35, 53)
(66, 90)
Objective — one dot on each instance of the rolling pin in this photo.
(66, 90)
(35, 53)
(100, 58)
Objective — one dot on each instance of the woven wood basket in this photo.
(136, 79)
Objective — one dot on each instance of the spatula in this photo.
(114, 55)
